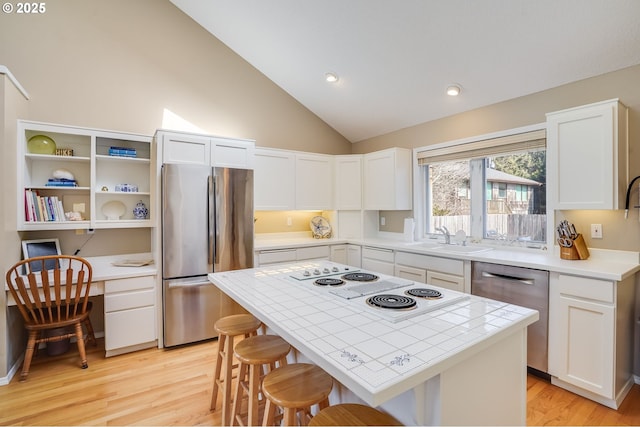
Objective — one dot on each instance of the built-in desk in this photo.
(130, 302)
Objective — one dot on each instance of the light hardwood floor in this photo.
(173, 387)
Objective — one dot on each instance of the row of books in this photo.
(61, 182)
(42, 208)
(122, 152)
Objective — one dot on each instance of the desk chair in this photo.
(52, 294)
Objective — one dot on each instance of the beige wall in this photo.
(618, 233)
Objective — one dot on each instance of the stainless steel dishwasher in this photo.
(521, 286)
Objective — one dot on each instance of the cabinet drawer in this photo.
(312, 252)
(447, 281)
(410, 273)
(276, 255)
(130, 327)
(129, 284)
(127, 300)
(444, 265)
(378, 266)
(583, 287)
(377, 254)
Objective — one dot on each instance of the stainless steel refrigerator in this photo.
(207, 226)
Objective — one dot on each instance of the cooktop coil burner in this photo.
(424, 293)
(360, 277)
(394, 302)
(329, 282)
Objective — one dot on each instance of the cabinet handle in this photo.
(507, 277)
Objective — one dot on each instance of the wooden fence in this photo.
(500, 226)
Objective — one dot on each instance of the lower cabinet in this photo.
(287, 255)
(347, 254)
(443, 272)
(130, 314)
(378, 259)
(591, 336)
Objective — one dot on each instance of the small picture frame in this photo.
(40, 247)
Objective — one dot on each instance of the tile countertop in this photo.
(374, 358)
(601, 264)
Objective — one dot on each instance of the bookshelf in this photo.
(100, 162)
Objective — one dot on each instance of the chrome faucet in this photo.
(445, 232)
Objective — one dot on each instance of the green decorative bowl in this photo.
(41, 144)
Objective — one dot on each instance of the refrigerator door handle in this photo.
(211, 221)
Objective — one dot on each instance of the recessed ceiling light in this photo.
(453, 90)
(331, 77)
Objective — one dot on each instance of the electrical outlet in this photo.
(382, 220)
(596, 231)
(289, 221)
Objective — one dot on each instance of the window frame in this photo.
(477, 223)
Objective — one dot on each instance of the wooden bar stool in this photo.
(228, 328)
(254, 353)
(295, 387)
(352, 414)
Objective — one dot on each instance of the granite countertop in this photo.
(602, 264)
(375, 358)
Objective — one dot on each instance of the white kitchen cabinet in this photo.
(90, 156)
(275, 256)
(388, 180)
(443, 272)
(178, 147)
(591, 336)
(314, 181)
(347, 254)
(232, 153)
(130, 314)
(348, 182)
(378, 259)
(274, 180)
(587, 156)
(182, 147)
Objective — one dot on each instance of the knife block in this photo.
(577, 251)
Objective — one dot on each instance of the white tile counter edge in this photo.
(602, 264)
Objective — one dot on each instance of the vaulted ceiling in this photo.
(395, 58)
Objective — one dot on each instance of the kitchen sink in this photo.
(464, 249)
(426, 245)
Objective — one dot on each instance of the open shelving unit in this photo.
(97, 173)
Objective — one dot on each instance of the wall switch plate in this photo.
(596, 231)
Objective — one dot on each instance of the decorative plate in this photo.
(114, 209)
(320, 227)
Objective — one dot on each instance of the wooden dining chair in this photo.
(52, 295)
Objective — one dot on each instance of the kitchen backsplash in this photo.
(283, 221)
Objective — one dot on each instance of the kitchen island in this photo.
(462, 363)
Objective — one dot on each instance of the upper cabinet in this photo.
(587, 156)
(289, 180)
(348, 182)
(181, 147)
(274, 180)
(388, 180)
(74, 178)
(314, 181)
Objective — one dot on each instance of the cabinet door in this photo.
(314, 181)
(129, 327)
(185, 148)
(354, 255)
(233, 153)
(387, 180)
(587, 157)
(582, 344)
(274, 180)
(348, 185)
(339, 254)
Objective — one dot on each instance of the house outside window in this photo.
(490, 189)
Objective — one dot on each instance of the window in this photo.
(490, 189)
